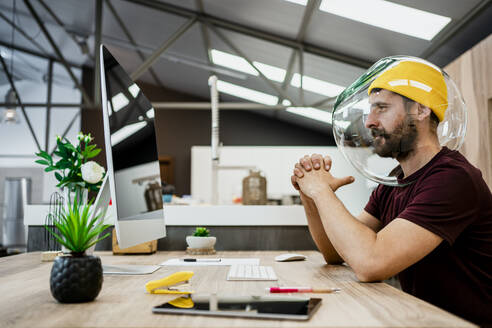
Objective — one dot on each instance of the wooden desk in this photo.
(26, 300)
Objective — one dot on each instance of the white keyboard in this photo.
(251, 272)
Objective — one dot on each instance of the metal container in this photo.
(17, 193)
(254, 189)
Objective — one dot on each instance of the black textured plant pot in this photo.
(76, 279)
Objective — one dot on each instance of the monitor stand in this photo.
(101, 206)
(130, 269)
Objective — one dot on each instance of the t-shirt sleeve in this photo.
(445, 204)
(372, 206)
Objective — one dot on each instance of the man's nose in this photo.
(371, 120)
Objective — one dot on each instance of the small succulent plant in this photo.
(201, 232)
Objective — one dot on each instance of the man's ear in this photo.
(423, 112)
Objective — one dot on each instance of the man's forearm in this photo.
(318, 232)
(351, 239)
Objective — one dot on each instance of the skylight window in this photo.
(240, 64)
(134, 90)
(126, 131)
(309, 112)
(271, 72)
(119, 101)
(317, 86)
(245, 93)
(312, 113)
(388, 15)
(231, 61)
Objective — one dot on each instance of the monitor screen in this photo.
(134, 160)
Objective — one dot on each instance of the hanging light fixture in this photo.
(10, 114)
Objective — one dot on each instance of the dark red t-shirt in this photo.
(448, 197)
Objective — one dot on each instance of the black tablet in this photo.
(267, 307)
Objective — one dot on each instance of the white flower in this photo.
(92, 172)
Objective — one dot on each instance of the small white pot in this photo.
(200, 242)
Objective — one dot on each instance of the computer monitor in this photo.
(128, 119)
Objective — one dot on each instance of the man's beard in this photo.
(397, 144)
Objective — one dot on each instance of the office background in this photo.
(49, 49)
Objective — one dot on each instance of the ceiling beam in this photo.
(69, 126)
(23, 33)
(280, 93)
(173, 105)
(131, 39)
(23, 110)
(166, 44)
(328, 101)
(306, 19)
(64, 27)
(222, 105)
(35, 53)
(301, 77)
(44, 105)
(175, 58)
(205, 36)
(289, 72)
(250, 31)
(48, 36)
(48, 105)
(446, 34)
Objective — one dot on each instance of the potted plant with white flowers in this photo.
(75, 172)
(76, 276)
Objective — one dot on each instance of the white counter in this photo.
(222, 215)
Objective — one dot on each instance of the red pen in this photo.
(301, 290)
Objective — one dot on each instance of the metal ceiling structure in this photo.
(168, 43)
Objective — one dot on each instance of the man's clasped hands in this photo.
(313, 179)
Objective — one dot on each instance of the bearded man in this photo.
(434, 230)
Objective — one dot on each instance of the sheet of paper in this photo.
(223, 261)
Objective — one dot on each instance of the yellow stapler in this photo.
(170, 284)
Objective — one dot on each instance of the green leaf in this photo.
(59, 143)
(44, 155)
(64, 164)
(95, 232)
(94, 153)
(60, 240)
(42, 162)
(58, 176)
(59, 154)
(96, 241)
(70, 147)
(78, 227)
(49, 169)
(94, 187)
(96, 219)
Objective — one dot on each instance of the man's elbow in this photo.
(371, 272)
(368, 276)
(333, 259)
